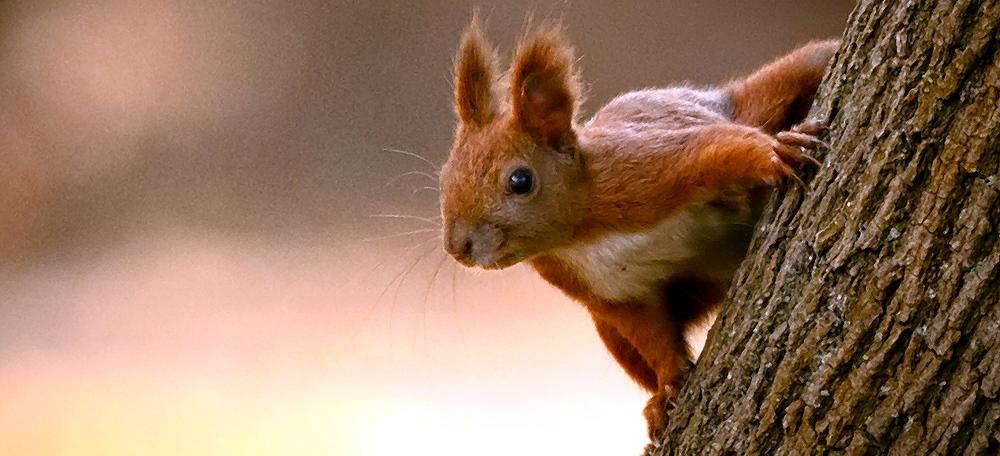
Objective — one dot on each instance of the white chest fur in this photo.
(621, 267)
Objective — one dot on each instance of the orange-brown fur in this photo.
(642, 213)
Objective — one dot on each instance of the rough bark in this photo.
(867, 318)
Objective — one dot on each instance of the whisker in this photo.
(427, 294)
(433, 189)
(398, 235)
(402, 279)
(436, 239)
(434, 221)
(437, 270)
(414, 155)
(378, 267)
(433, 178)
(397, 281)
(454, 306)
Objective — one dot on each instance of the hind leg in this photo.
(626, 355)
(652, 350)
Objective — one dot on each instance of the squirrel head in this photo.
(514, 183)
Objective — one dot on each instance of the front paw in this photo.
(657, 411)
(790, 149)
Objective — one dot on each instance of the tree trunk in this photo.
(867, 318)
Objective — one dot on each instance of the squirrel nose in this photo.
(459, 243)
(459, 247)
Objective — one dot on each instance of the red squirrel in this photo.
(642, 213)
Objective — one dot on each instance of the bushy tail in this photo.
(780, 94)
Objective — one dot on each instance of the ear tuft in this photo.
(545, 87)
(475, 67)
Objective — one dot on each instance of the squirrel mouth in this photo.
(484, 249)
(503, 262)
(493, 261)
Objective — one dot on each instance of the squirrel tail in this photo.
(780, 94)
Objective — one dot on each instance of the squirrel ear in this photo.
(545, 88)
(475, 66)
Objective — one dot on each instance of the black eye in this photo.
(521, 181)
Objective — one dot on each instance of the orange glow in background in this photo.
(245, 350)
(192, 260)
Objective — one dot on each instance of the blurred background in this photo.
(217, 230)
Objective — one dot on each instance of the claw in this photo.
(812, 127)
(790, 149)
(801, 140)
(785, 171)
(781, 162)
(658, 410)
